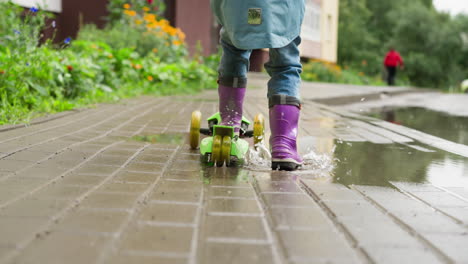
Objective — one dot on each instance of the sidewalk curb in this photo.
(350, 99)
(41, 120)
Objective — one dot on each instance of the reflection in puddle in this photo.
(449, 173)
(174, 139)
(231, 176)
(453, 128)
(377, 164)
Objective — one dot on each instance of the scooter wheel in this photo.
(226, 150)
(258, 129)
(216, 150)
(195, 129)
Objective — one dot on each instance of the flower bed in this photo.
(128, 58)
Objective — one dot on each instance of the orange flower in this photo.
(170, 30)
(180, 34)
(177, 42)
(164, 22)
(155, 50)
(127, 6)
(146, 9)
(150, 78)
(138, 21)
(130, 13)
(150, 18)
(138, 66)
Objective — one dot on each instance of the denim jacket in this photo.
(256, 24)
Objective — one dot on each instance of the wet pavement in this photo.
(119, 184)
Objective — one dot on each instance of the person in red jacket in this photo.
(392, 61)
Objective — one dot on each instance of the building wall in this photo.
(329, 30)
(194, 17)
(311, 46)
(320, 30)
(79, 12)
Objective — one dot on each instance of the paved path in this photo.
(78, 189)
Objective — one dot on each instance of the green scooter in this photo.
(223, 146)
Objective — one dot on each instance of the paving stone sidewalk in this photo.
(82, 189)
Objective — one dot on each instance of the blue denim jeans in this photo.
(284, 67)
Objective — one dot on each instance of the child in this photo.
(257, 24)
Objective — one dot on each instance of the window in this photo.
(311, 24)
(49, 5)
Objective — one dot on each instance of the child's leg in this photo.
(232, 84)
(284, 68)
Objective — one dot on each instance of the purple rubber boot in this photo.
(231, 101)
(284, 120)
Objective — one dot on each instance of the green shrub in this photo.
(323, 71)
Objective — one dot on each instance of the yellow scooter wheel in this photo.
(195, 129)
(216, 150)
(258, 129)
(226, 150)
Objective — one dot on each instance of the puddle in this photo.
(440, 124)
(174, 139)
(365, 163)
(377, 164)
(371, 164)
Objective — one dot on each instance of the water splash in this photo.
(259, 158)
(318, 162)
(315, 163)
